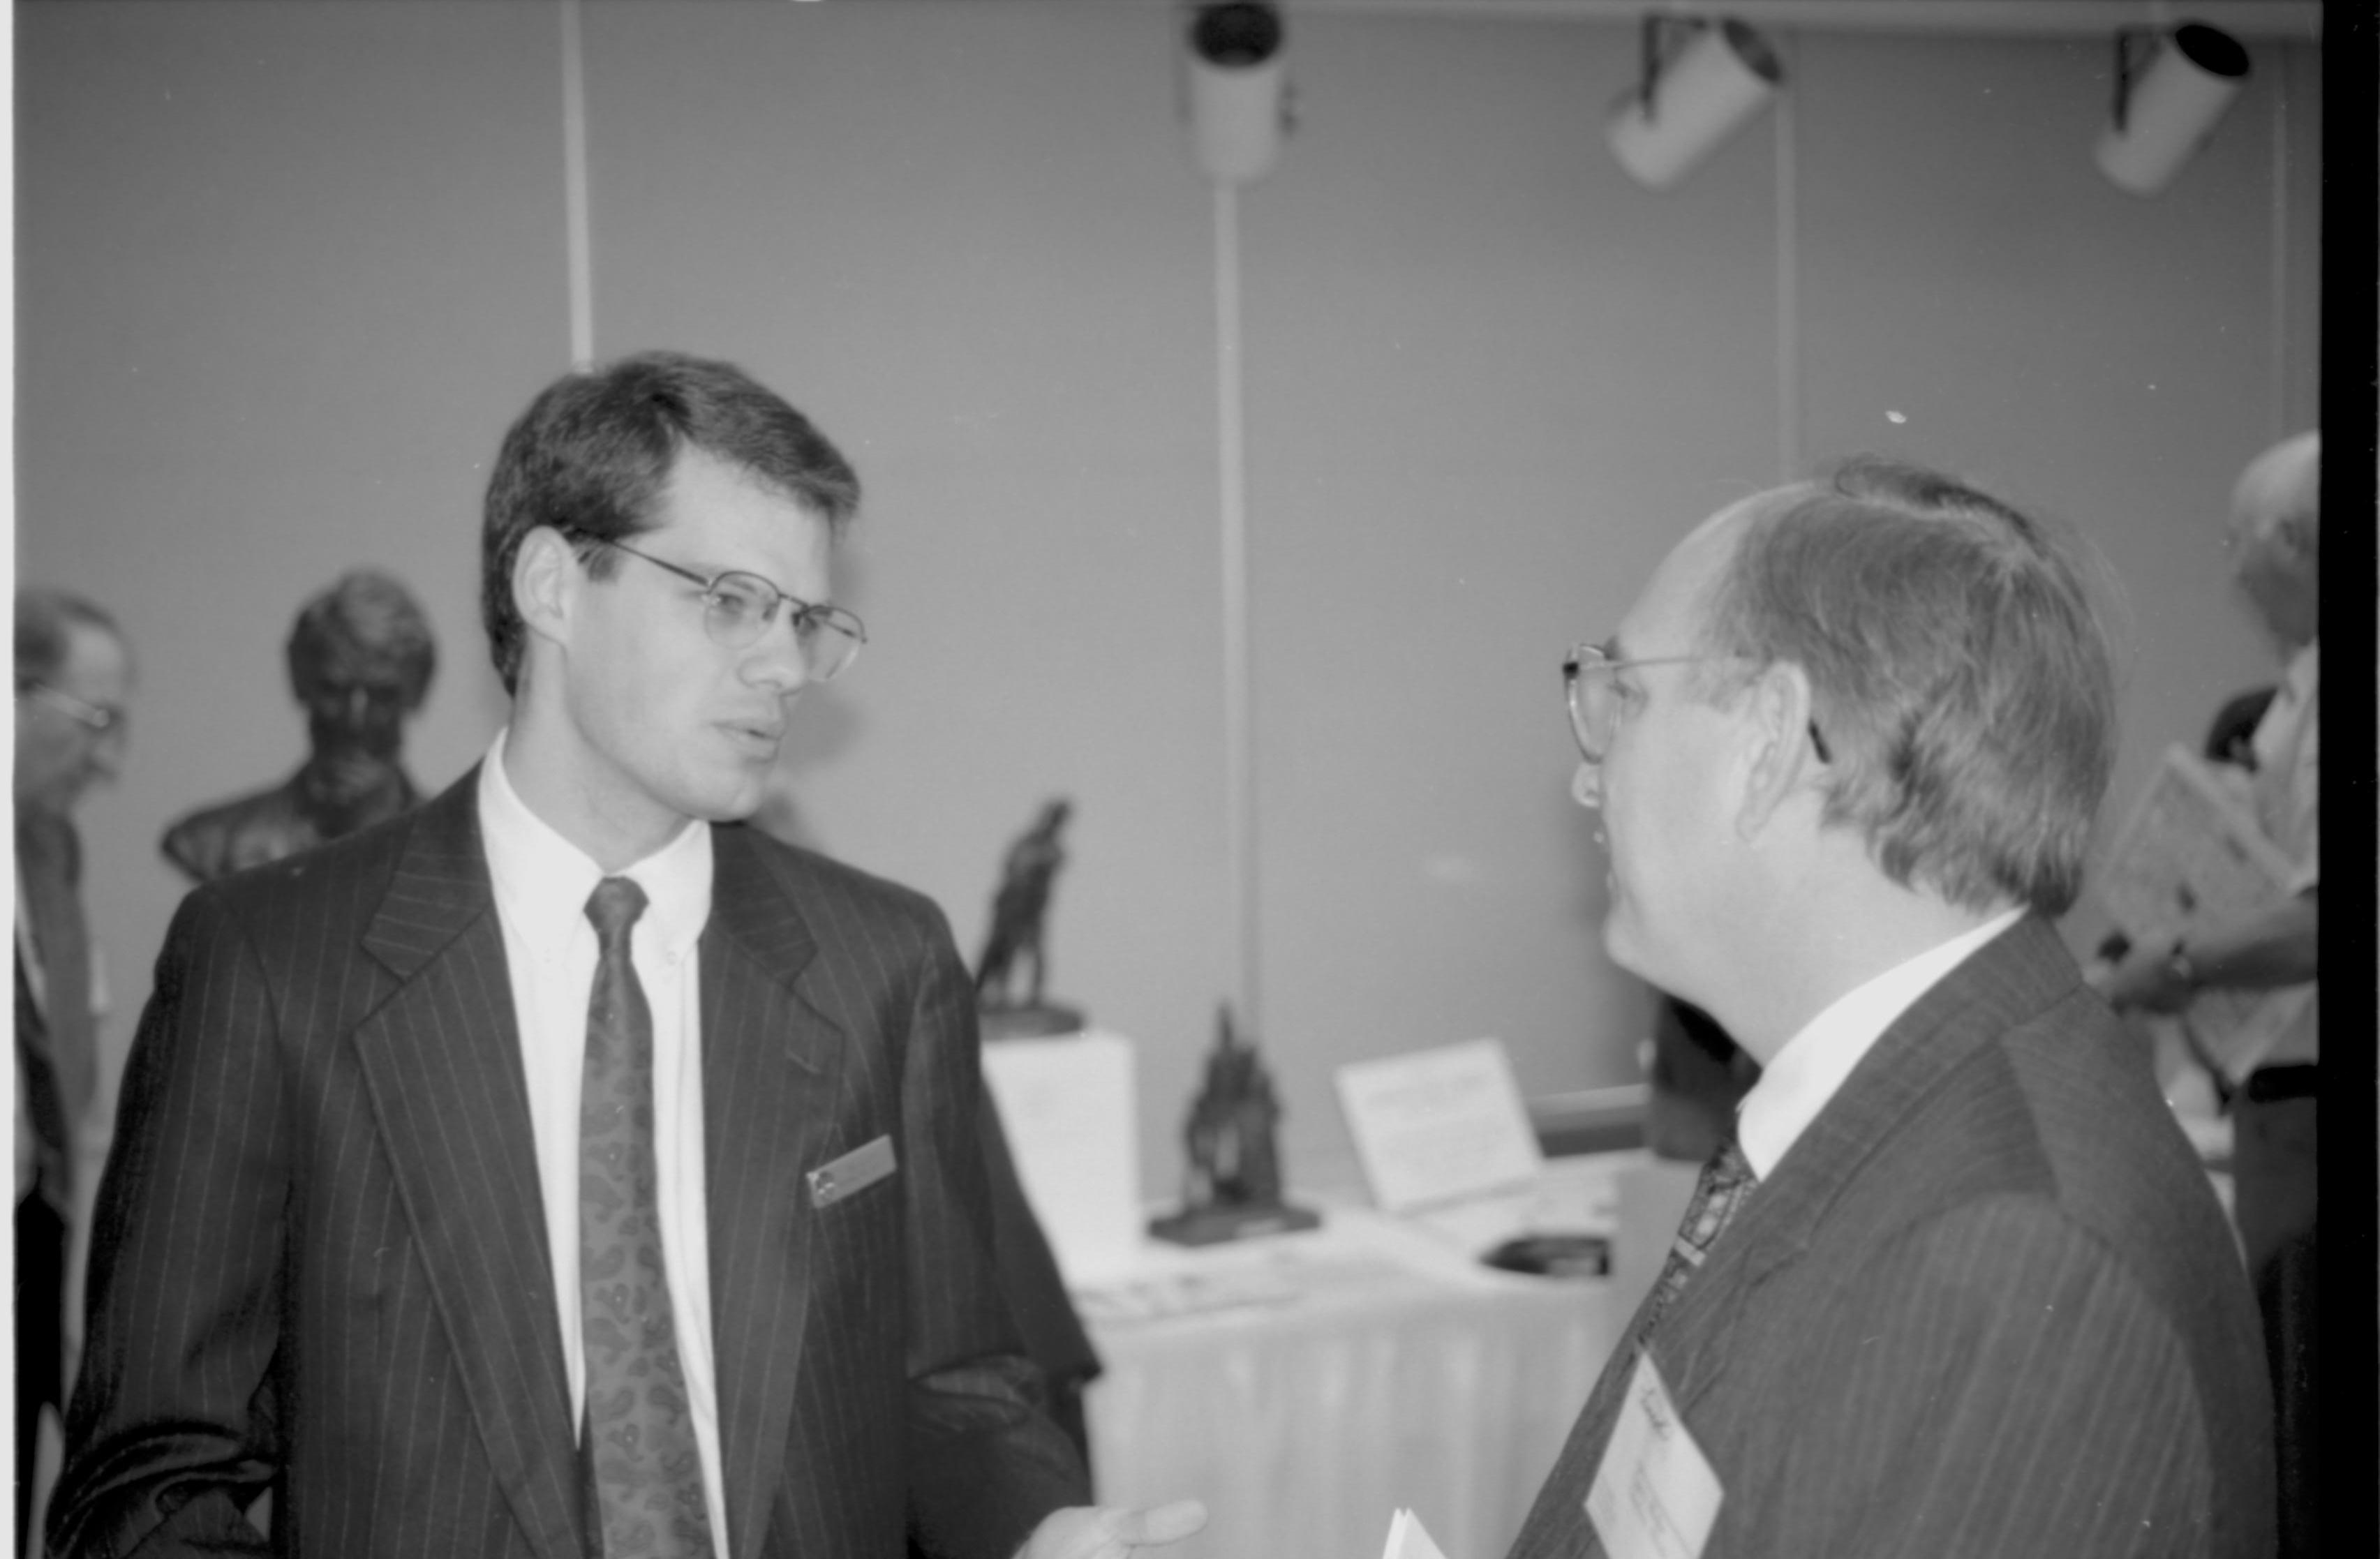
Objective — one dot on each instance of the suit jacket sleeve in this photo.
(2003, 1387)
(172, 1432)
(986, 1464)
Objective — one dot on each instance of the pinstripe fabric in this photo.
(1987, 1305)
(320, 1255)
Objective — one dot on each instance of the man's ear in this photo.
(546, 574)
(1781, 759)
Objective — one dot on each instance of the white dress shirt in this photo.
(542, 884)
(1810, 1070)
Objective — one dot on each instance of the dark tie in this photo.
(645, 1478)
(1727, 1178)
(61, 1060)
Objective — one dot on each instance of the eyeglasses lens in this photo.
(740, 608)
(1591, 704)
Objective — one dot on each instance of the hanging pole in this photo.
(574, 180)
(1239, 687)
(1789, 294)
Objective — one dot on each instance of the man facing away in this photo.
(2275, 543)
(560, 1169)
(1958, 1284)
(73, 675)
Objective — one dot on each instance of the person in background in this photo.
(74, 679)
(562, 1168)
(1957, 1284)
(2274, 540)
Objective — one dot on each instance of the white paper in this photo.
(1409, 1539)
(1067, 1106)
(1437, 1125)
(2190, 856)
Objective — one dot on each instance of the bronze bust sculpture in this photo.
(360, 659)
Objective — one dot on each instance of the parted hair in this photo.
(591, 454)
(1958, 674)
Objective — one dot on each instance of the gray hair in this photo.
(1960, 679)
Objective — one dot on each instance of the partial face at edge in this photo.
(58, 757)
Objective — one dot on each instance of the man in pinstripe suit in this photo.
(344, 1256)
(1958, 1284)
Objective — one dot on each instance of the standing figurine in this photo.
(1233, 1186)
(1018, 912)
(360, 658)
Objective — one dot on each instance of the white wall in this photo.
(286, 270)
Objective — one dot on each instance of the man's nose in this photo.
(776, 659)
(1587, 785)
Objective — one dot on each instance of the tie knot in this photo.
(613, 907)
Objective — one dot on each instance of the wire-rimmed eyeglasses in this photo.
(1597, 701)
(737, 608)
(90, 716)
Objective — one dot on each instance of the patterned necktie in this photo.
(1719, 1192)
(62, 1071)
(645, 1477)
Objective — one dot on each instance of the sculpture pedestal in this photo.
(1212, 1226)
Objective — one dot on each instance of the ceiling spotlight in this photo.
(1702, 81)
(2166, 106)
(1239, 91)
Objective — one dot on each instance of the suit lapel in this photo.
(2009, 979)
(770, 1067)
(441, 1061)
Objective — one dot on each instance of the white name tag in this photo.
(1654, 1496)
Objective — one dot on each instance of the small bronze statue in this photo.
(1234, 1187)
(360, 659)
(1018, 912)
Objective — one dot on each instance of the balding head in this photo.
(2276, 534)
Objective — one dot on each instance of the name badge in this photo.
(856, 1170)
(1655, 1496)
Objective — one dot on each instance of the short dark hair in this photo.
(592, 454)
(46, 621)
(1959, 674)
(365, 629)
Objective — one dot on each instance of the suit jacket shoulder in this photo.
(1990, 1260)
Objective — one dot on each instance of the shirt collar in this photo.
(1812, 1067)
(542, 881)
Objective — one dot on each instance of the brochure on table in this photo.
(1444, 1139)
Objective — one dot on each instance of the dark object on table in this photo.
(360, 659)
(1019, 910)
(1554, 1255)
(1233, 1186)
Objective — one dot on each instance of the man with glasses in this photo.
(73, 675)
(1956, 1284)
(563, 1168)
